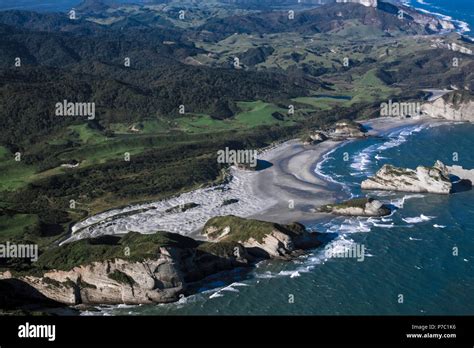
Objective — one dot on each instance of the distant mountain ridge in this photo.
(328, 18)
(94, 5)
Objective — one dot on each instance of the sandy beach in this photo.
(292, 177)
(289, 190)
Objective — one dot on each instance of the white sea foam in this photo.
(439, 226)
(392, 225)
(400, 202)
(418, 219)
(292, 274)
(362, 161)
(216, 295)
(266, 275)
(352, 225)
(230, 288)
(462, 27)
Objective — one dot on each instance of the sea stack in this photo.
(422, 179)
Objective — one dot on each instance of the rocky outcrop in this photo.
(431, 23)
(358, 207)
(157, 268)
(423, 179)
(315, 138)
(458, 48)
(455, 106)
(452, 46)
(318, 137)
(261, 238)
(347, 129)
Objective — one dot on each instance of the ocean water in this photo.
(461, 12)
(409, 253)
(39, 5)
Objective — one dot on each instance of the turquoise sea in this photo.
(411, 253)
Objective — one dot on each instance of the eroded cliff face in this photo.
(115, 281)
(454, 107)
(170, 273)
(119, 281)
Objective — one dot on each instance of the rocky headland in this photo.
(455, 106)
(260, 238)
(155, 268)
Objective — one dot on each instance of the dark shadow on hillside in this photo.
(366, 128)
(244, 272)
(105, 240)
(17, 295)
(50, 230)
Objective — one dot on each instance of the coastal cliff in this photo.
(269, 240)
(160, 267)
(455, 106)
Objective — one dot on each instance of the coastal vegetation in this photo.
(153, 268)
(161, 120)
(233, 228)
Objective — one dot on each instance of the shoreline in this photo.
(463, 28)
(316, 189)
(287, 191)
